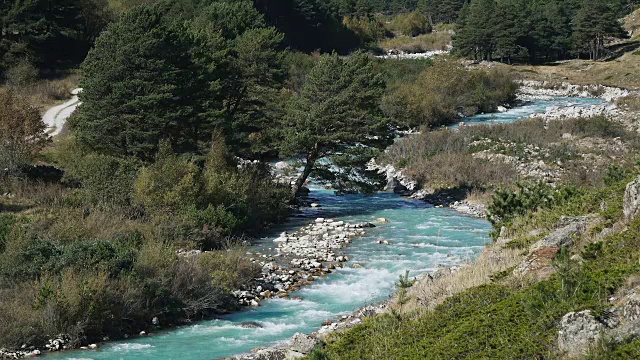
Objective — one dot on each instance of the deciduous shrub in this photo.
(21, 133)
(104, 180)
(447, 91)
(368, 29)
(170, 185)
(411, 24)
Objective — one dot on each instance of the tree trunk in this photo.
(312, 156)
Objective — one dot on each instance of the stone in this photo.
(282, 165)
(251, 325)
(382, 220)
(303, 343)
(143, 333)
(271, 354)
(155, 321)
(93, 346)
(631, 203)
(315, 205)
(34, 353)
(569, 227)
(578, 331)
(319, 220)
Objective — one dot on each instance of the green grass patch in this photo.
(497, 321)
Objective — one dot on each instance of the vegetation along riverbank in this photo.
(142, 212)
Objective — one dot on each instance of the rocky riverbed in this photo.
(301, 256)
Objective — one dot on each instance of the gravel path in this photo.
(57, 116)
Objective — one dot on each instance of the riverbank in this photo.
(525, 265)
(478, 160)
(419, 237)
(301, 257)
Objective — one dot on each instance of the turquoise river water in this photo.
(422, 237)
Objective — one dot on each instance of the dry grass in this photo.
(476, 196)
(44, 94)
(629, 103)
(622, 72)
(426, 294)
(418, 44)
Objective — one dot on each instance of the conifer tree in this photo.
(336, 116)
(143, 83)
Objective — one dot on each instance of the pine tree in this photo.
(476, 36)
(592, 24)
(336, 115)
(143, 83)
(49, 33)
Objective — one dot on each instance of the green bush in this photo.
(105, 180)
(368, 29)
(171, 184)
(527, 197)
(22, 75)
(411, 24)
(6, 224)
(446, 91)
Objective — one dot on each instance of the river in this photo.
(421, 238)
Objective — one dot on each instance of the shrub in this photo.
(447, 91)
(418, 44)
(170, 184)
(230, 268)
(21, 133)
(368, 29)
(22, 75)
(411, 24)
(6, 224)
(528, 197)
(105, 180)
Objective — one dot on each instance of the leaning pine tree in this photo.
(335, 123)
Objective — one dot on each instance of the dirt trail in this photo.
(57, 116)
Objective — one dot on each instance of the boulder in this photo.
(303, 343)
(578, 331)
(382, 220)
(631, 204)
(251, 325)
(282, 165)
(564, 235)
(271, 354)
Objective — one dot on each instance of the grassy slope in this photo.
(621, 72)
(502, 319)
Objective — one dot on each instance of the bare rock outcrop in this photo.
(631, 204)
(541, 254)
(578, 332)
